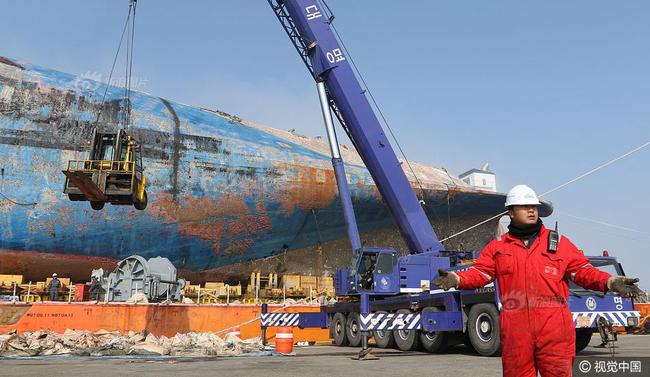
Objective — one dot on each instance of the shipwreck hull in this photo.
(225, 196)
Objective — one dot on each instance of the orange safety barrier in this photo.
(284, 340)
(157, 319)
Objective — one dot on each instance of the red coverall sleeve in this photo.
(482, 271)
(581, 271)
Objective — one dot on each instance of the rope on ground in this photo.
(647, 143)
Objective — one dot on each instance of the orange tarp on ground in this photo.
(157, 319)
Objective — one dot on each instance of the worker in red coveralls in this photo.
(537, 331)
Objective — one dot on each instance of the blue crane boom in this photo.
(308, 26)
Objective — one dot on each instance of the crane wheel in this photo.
(483, 329)
(338, 330)
(583, 336)
(384, 338)
(406, 340)
(97, 206)
(436, 341)
(353, 329)
(141, 205)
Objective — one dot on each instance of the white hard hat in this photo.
(521, 195)
(54, 275)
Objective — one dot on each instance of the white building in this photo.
(481, 178)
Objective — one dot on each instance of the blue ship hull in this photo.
(224, 194)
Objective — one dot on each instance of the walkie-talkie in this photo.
(553, 240)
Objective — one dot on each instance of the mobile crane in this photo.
(373, 272)
(388, 296)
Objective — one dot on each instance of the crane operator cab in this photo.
(372, 270)
(112, 174)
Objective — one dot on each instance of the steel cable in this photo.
(2, 186)
(644, 145)
(110, 75)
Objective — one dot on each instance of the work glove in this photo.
(624, 286)
(447, 279)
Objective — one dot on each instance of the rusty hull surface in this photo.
(225, 196)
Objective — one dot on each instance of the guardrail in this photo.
(101, 165)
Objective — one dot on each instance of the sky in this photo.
(543, 91)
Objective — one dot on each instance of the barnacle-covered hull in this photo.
(225, 195)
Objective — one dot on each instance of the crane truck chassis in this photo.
(411, 321)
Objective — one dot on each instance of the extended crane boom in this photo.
(308, 26)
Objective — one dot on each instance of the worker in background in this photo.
(53, 287)
(95, 288)
(533, 266)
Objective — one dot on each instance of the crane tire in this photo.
(384, 338)
(434, 342)
(406, 340)
(353, 329)
(338, 330)
(483, 329)
(583, 337)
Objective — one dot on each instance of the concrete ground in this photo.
(319, 360)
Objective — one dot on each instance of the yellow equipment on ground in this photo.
(112, 174)
(306, 285)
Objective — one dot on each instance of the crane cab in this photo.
(372, 270)
(112, 174)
